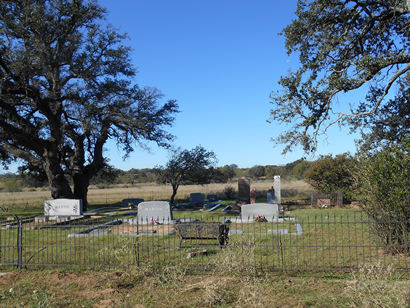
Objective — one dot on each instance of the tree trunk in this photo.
(59, 185)
(81, 183)
(174, 193)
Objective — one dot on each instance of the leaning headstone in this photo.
(197, 199)
(133, 201)
(152, 212)
(250, 211)
(63, 207)
(244, 190)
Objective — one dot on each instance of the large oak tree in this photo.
(353, 46)
(66, 87)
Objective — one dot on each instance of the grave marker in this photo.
(244, 190)
(63, 207)
(253, 196)
(197, 199)
(250, 211)
(151, 211)
(276, 187)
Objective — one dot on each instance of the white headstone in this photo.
(63, 207)
(250, 211)
(276, 187)
(154, 211)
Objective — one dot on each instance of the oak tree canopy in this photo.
(66, 88)
(345, 46)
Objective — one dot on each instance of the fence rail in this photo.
(306, 243)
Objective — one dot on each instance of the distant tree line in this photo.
(110, 175)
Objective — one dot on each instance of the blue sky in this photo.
(220, 60)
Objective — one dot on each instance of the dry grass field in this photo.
(147, 191)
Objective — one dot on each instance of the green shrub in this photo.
(383, 185)
(330, 175)
(229, 193)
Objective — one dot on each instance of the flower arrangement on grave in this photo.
(153, 221)
(260, 218)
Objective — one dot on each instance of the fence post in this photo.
(138, 244)
(19, 243)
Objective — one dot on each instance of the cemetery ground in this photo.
(253, 271)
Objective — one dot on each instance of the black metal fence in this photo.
(303, 243)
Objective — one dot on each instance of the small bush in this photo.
(229, 193)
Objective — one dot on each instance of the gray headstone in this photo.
(276, 187)
(63, 207)
(158, 210)
(197, 199)
(133, 201)
(244, 190)
(212, 198)
(250, 211)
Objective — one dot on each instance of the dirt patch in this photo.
(127, 228)
(62, 278)
(7, 277)
(105, 303)
(90, 294)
